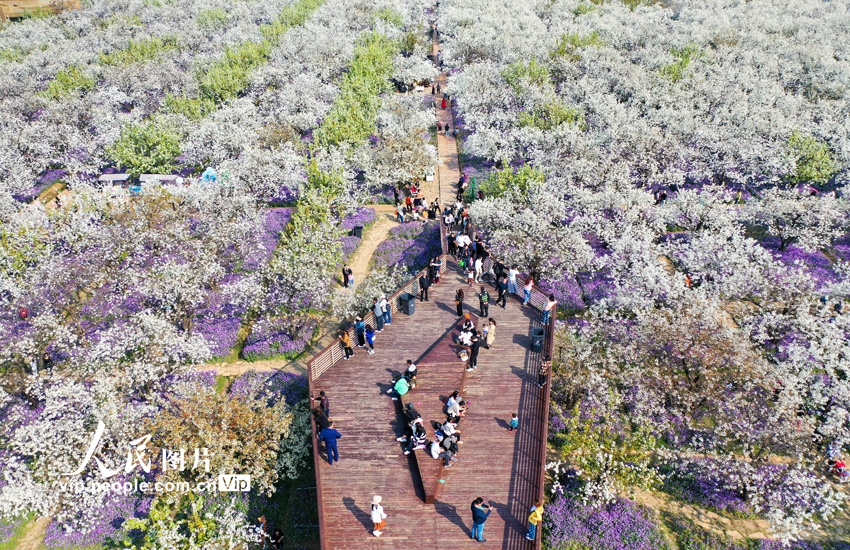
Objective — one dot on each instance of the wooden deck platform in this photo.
(500, 466)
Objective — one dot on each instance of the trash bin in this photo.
(357, 232)
(406, 303)
(537, 336)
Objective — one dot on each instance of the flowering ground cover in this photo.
(412, 244)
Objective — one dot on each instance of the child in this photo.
(514, 425)
(378, 516)
(370, 339)
(470, 275)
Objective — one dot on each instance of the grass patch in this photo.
(68, 81)
(20, 531)
(138, 51)
(352, 118)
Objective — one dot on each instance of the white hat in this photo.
(376, 499)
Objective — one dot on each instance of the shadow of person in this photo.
(502, 423)
(364, 517)
(449, 511)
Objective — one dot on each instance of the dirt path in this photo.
(33, 539)
(375, 235)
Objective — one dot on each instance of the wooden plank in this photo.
(493, 463)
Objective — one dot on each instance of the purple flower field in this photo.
(412, 244)
(269, 338)
(620, 525)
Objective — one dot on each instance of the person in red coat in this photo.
(443, 105)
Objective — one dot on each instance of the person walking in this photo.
(345, 340)
(491, 333)
(474, 347)
(514, 425)
(438, 88)
(439, 126)
(459, 302)
(350, 278)
(512, 273)
(345, 276)
(484, 301)
(534, 520)
(387, 314)
(443, 105)
(541, 375)
(424, 283)
(479, 265)
(322, 421)
(480, 513)
(360, 331)
(379, 315)
(370, 339)
(502, 285)
(324, 403)
(330, 436)
(548, 308)
(526, 290)
(434, 270)
(379, 518)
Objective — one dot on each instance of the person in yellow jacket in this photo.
(534, 520)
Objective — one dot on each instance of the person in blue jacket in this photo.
(480, 513)
(329, 435)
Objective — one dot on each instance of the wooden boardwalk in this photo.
(498, 465)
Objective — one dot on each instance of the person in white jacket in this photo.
(378, 516)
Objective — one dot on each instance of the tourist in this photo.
(480, 513)
(514, 425)
(370, 339)
(459, 302)
(330, 436)
(478, 264)
(439, 126)
(502, 285)
(541, 375)
(443, 105)
(345, 340)
(321, 420)
(474, 347)
(378, 311)
(345, 276)
(470, 274)
(324, 403)
(386, 310)
(512, 273)
(526, 290)
(265, 532)
(424, 283)
(491, 333)
(534, 520)
(401, 387)
(484, 300)
(456, 411)
(277, 539)
(47, 362)
(418, 437)
(379, 518)
(360, 331)
(547, 309)
(411, 369)
(434, 271)
(438, 88)
(350, 278)
(468, 325)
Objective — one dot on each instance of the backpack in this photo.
(485, 297)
